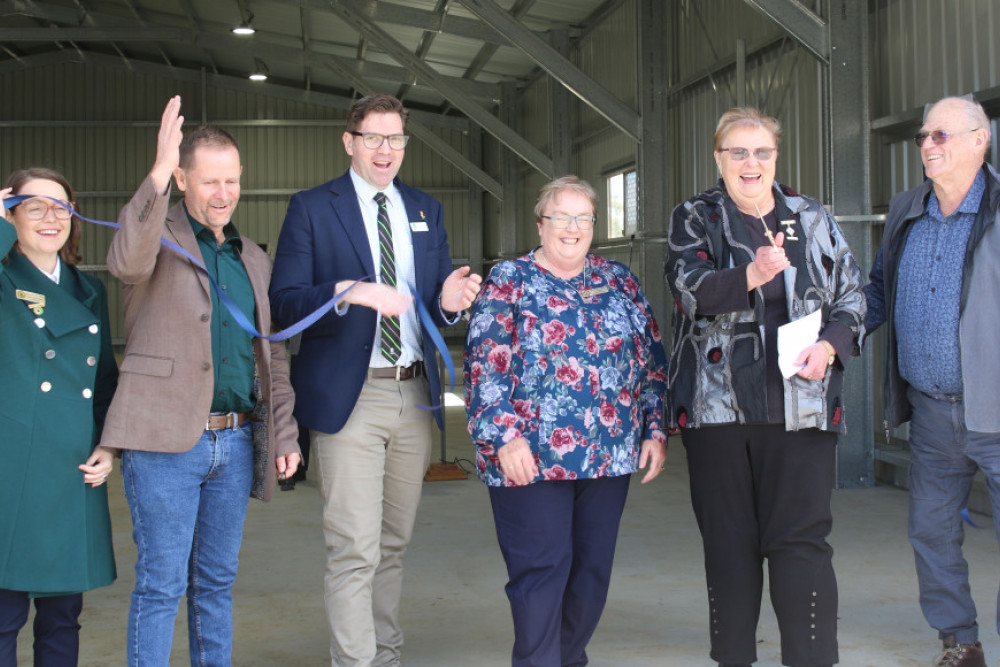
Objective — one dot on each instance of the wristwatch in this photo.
(830, 350)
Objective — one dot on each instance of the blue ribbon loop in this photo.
(425, 317)
(224, 298)
(431, 328)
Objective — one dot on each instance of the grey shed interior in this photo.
(506, 94)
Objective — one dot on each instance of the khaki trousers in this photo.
(370, 478)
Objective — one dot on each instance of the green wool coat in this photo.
(57, 376)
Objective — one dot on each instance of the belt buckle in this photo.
(232, 422)
(399, 372)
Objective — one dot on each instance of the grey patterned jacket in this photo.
(717, 366)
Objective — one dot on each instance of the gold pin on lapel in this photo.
(33, 300)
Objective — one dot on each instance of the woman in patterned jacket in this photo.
(565, 375)
(744, 258)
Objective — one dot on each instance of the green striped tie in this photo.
(389, 339)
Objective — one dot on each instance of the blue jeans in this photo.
(944, 457)
(188, 511)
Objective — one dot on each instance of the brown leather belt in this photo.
(397, 372)
(231, 420)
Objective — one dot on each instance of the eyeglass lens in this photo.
(740, 154)
(562, 221)
(36, 210)
(937, 136)
(373, 141)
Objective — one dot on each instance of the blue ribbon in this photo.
(436, 338)
(224, 298)
(968, 519)
(425, 317)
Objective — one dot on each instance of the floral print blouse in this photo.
(576, 367)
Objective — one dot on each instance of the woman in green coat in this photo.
(58, 377)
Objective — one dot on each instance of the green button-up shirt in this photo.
(232, 348)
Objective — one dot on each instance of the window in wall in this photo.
(623, 203)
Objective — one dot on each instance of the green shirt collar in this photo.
(203, 233)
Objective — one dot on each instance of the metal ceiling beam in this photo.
(383, 12)
(149, 34)
(436, 143)
(223, 41)
(371, 30)
(399, 14)
(326, 100)
(424, 46)
(57, 14)
(560, 68)
(39, 60)
(488, 50)
(804, 26)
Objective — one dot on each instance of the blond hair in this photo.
(745, 117)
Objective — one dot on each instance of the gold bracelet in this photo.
(830, 350)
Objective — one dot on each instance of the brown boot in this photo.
(960, 655)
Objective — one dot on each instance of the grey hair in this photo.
(571, 183)
(973, 111)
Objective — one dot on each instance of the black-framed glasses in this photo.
(740, 154)
(938, 136)
(562, 221)
(373, 141)
(37, 208)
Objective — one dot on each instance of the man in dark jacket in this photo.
(933, 284)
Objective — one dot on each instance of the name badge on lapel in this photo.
(418, 226)
(789, 226)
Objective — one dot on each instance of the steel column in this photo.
(653, 152)
(848, 111)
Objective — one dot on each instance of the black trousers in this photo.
(760, 492)
(57, 630)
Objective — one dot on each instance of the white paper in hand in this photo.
(795, 337)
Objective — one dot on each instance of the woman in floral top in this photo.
(566, 375)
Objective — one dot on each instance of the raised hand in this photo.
(168, 143)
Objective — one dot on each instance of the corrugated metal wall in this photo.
(923, 50)
(99, 126)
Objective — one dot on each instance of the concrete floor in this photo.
(455, 613)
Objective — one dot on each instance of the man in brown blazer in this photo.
(204, 410)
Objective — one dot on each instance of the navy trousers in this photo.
(56, 627)
(558, 541)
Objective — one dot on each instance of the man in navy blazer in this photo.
(360, 372)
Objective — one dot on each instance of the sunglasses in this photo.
(937, 136)
(740, 154)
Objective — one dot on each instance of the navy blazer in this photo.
(323, 241)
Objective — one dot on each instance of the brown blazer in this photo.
(165, 389)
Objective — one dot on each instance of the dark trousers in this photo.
(558, 541)
(760, 492)
(57, 630)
